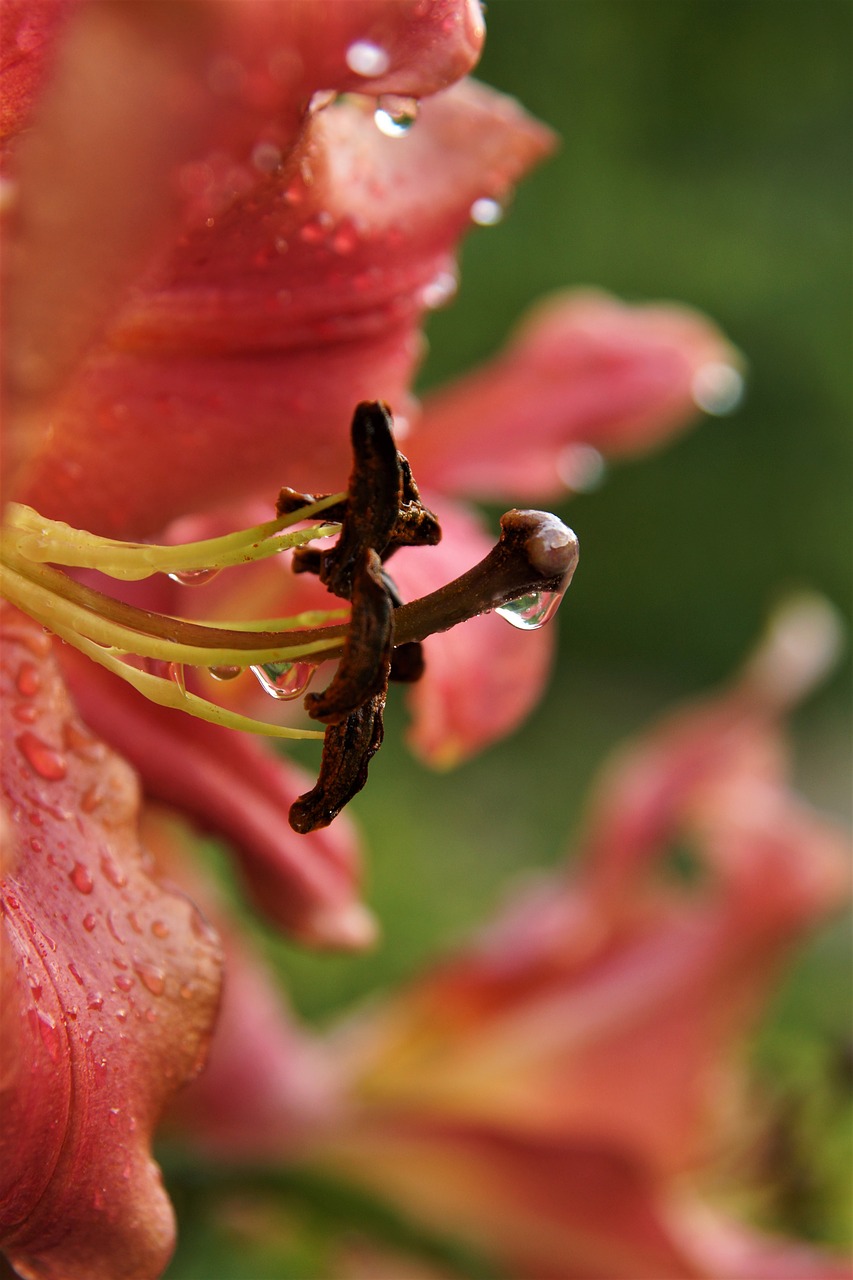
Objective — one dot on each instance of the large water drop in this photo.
(395, 114)
(365, 58)
(284, 680)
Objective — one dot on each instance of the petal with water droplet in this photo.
(78, 1050)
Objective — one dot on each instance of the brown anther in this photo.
(383, 511)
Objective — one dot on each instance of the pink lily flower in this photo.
(552, 1094)
(200, 283)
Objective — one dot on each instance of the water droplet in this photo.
(225, 673)
(50, 1035)
(440, 290)
(81, 743)
(28, 680)
(159, 929)
(486, 212)
(193, 577)
(532, 611)
(81, 878)
(123, 981)
(552, 549)
(151, 977)
(89, 922)
(364, 58)
(321, 99)
(266, 157)
(95, 1000)
(133, 921)
(121, 1015)
(395, 114)
(75, 973)
(112, 1116)
(185, 991)
(345, 237)
(176, 673)
(717, 387)
(46, 761)
(25, 712)
(114, 874)
(91, 798)
(284, 680)
(581, 468)
(36, 844)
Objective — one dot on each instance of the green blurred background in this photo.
(705, 158)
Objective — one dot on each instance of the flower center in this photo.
(523, 577)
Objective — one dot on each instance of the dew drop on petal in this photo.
(81, 877)
(552, 550)
(89, 922)
(151, 977)
(46, 761)
(364, 58)
(486, 212)
(50, 1035)
(266, 157)
(175, 672)
(159, 929)
(284, 680)
(28, 679)
(717, 388)
(114, 874)
(395, 114)
(124, 981)
(193, 577)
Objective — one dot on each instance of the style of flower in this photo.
(553, 1094)
(200, 284)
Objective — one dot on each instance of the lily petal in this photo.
(584, 372)
(98, 191)
(111, 985)
(312, 283)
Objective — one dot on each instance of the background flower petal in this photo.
(583, 370)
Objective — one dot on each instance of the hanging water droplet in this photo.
(531, 612)
(193, 577)
(284, 680)
(486, 211)
(440, 290)
(395, 114)
(321, 99)
(581, 468)
(364, 58)
(225, 673)
(717, 387)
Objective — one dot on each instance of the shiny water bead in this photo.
(284, 680)
(364, 58)
(395, 114)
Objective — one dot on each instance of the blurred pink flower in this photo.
(552, 1094)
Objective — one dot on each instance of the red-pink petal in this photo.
(267, 1081)
(134, 94)
(583, 370)
(112, 984)
(483, 677)
(231, 784)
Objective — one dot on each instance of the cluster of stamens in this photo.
(523, 577)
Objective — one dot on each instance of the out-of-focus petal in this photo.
(483, 677)
(110, 989)
(312, 284)
(136, 91)
(29, 30)
(231, 784)
(267, 1081)
(583, 370)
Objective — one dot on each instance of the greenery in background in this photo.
(704, 158)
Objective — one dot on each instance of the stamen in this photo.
(376, 640)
